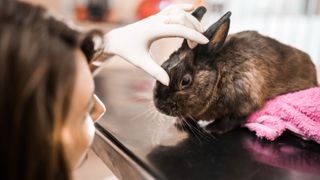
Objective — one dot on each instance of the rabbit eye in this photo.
(186, 81)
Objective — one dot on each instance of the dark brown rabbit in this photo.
(230, 77)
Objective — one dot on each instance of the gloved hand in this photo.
(132, 42)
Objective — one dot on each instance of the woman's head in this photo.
(46, 95)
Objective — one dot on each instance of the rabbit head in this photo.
(193, 73)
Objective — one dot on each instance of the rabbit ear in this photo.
(218, 32)
(198, 13)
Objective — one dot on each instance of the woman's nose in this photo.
(98, 110)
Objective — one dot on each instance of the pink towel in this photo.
(298, 112)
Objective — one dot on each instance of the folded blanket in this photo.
(298, 112)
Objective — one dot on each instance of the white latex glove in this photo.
(132, 42)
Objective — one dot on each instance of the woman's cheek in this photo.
(90, 130)
(77, 139)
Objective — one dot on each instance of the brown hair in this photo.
(37, 74)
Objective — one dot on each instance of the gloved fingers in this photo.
(175, 7)
(191, 44)
(185, 19)
(145, 62)
(176, 30)
(195, 22)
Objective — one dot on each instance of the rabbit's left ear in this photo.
(199, 12)
(218, 32)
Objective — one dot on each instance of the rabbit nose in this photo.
(161, 94)
(156, 102)
(163, 106)
(159, 102)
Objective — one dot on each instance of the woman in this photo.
(47, 105)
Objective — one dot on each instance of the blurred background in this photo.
(294, 22)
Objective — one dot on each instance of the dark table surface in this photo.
(137, 142)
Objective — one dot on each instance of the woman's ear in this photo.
(218, 32)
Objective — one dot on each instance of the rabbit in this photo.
(222, 82)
